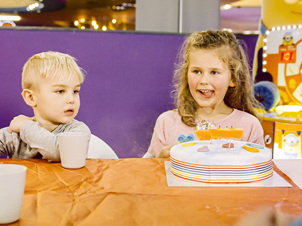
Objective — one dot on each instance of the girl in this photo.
(213, 82)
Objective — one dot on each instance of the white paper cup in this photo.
(73, 148)
(12, 182)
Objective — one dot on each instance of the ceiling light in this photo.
(12, 18)
(32, 7)
(226, 7)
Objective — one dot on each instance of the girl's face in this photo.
(208, 77)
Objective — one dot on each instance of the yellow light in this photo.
(82, 27)
(12, 18)
(76, 23)
(82, 20)
(113, 21)
(104, 28)
(93, 23)
(96, 27)
(288, 108)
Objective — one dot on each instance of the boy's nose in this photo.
(70, 98)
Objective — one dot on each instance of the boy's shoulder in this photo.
(74, 125)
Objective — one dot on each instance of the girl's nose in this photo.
(204, 79)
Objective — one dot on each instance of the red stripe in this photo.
(224, 182)
(193, 165)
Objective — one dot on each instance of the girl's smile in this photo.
(206, 93)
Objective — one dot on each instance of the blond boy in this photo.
(51, 82)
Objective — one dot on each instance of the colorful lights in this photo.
(287, 55)
(93, 23)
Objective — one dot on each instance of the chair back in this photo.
(99, 149)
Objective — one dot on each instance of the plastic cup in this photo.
(73, 148)
(12, 182)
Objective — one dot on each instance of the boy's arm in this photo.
(17, 122)
(45, 141)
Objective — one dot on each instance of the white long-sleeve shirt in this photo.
(34, 141)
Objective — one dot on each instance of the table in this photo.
(135, 192)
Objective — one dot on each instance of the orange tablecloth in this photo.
(135, 192)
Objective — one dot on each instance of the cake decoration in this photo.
(250, 149)
(203, 149)
(228, 145)
(182, 138)
(202, 130)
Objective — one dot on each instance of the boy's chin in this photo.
(66, 120)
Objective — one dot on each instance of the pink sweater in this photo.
(169, 126)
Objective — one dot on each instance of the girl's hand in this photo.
(165, 152)
(17, 122)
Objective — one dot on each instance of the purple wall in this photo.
(128, 81)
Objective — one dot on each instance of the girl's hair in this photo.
(232, 54)
(50, 64)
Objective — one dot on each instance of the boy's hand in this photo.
(17, 122)
(165, 152)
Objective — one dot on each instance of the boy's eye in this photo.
(214, 72)
(76, 91)
(60, 91)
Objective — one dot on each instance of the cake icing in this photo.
(208, 161)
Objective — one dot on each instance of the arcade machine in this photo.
(282, 61)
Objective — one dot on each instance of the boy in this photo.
(51, 84)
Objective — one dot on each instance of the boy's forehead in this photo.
(64, 76)
(62, 79)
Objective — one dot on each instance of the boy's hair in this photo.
(49, 64)
(232, 54)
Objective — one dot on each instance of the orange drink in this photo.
(203, 134)
(226, 133)
(235, 133)
(216, 133)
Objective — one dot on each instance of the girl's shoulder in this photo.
(169, 116)
(240, 113)
(169, 113)
(239, 116)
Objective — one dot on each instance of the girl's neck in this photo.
(212, 114)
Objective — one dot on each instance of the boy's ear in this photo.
(28, 97)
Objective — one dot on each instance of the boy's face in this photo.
(57, 101)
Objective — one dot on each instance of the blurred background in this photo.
(239, 16)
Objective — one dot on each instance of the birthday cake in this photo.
(221, 161)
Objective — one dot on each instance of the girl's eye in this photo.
(196, 72)
(60, 91)
(76, 91)
(214, 72)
